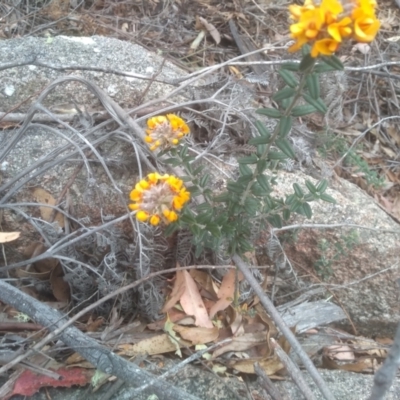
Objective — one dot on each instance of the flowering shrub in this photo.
(327, 24)
(164, 131)
(158, 198)
(228, 219)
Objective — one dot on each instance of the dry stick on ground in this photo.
(101, 357)
(293, 370)
(384, 377)
(274, 314)
(266, 383)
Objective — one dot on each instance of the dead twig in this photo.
(266, 383)
(384, 377)
(270, 308)
(293, 370)
(101, 357)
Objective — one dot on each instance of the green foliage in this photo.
(337, 147)
(228, 218)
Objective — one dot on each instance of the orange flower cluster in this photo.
(157, 198)
(164, 131)
(326, 25)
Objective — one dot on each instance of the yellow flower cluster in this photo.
(325, 25)
(164, 131)
(158, 197)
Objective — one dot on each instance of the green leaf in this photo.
(260, 150)
(313, 85)
(170, 229)
(333, 62)
(305, 109)
(284, 93)
(276, 155)
(204, 180)
(285, 125)
(235, 188)
(269, 112)
(306, 63)
(290, 199)
(285, 103)
(244, 179)
(259, 191)
(223, 198)
(327, 198)
(298, 190)
(288, 77)
(318, 104)
(284, 145)
(286, 214)
(262, 165)
(307, 210)
(305, 50)
(290, 66)
(172, 161)
(204, 218)
(262, 129)
(244, 169)
(264, 182)
(193, 190)
(251, 206)
(296, 206)
(310, 197)
(188, 219)
(259, 140)
(184, 151)
(213, 228)
(320, 68)
(275, 220)
(204, 207)
(198, 170)
(311, 187)
(248, 159)
(322, 186)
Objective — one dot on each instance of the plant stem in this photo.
(275, 134)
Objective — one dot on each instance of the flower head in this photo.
(326, 25)
(157, 198)
(164, 131)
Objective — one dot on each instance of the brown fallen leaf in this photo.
(59, 286)
(226, 292)
(8, 236)
(44, 197)
(177, 291)
(363, 365)
(212, 30)
(159, 344)
(270, 365)
(192, 302)
(242, 343)
(340, 352)
(197, 335)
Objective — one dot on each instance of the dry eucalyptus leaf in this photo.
(159, 344)
(242, 343)
(59, 286)
(212, 30)
(197, 335)
(226, 292)
(177, 291)
(193, 304)
(44, 197)
(270, 365)
(8, 236)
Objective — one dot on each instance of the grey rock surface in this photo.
(25, 82)
(365, 275)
